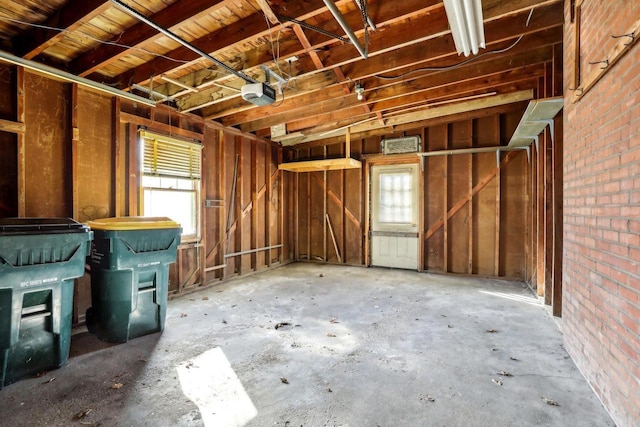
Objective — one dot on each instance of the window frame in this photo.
(185, 156)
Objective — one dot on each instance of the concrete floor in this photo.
(353, 347)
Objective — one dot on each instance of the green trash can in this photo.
(130, 276)
(39, 258)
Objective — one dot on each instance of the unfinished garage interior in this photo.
(384, 222)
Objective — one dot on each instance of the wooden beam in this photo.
(422, 212)
(296, 217)
(75, 141)
(163, 127)
(140, 35)
(398, 130)
(496, 248)
(470, 204)
(267, 203)
(22, 164)
(133, 187)
(577, 12)
(240, 31)
(430, 113)
(239, 205)
(409, 52)
(548, 217)
(540, 253)
(445, 206)
(201, 247)
(304, 41)
(333, 238)
(556, 298)
(254, 203)
(69, 18)
(281, 208)
(308, 215)
(439, 86)
(320, 165)
(180, 269)
(366, 172)
(268, 12)
(622, 46)
(503, 22)
(11, 126)
(222, 194)
(324, 208)
(119, 155)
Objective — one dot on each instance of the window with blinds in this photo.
(169, 157)
(171, 171)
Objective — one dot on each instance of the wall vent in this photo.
(406, 144)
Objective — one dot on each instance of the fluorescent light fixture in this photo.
(465, 20)
(63, 75)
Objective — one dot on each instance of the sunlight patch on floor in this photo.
(212, 384)
(514, 297)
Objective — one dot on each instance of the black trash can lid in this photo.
(13, 226)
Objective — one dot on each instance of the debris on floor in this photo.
(492, 331)
(427, 398)
(82, 414)
(330, 335)
(505, 374)
(183, 314)
(49, 380)
(282, 325)
(549, 401)
(205, 298)
(497, 382)
(284, 380)
(334, 320)
(116, 386)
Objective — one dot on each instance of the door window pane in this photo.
(395, 198)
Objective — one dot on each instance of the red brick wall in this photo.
(602, 211)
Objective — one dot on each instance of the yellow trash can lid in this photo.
(132, 223)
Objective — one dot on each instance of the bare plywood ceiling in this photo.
(412, 64)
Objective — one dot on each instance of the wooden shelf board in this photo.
(321, 165)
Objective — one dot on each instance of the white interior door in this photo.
(394, 216)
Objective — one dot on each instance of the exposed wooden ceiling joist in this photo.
(411, 55)
(68, 19)
(412, 42)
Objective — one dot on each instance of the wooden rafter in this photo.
(141, 33)
(410, 53)
(74, 14)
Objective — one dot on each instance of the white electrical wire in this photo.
(460, 64)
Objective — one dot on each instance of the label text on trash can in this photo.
(38, 282)
(96, 256)
(148, 264)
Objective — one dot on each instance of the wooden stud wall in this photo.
(9, 141)
(474, 213)
(70, 152)
(240, 173)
